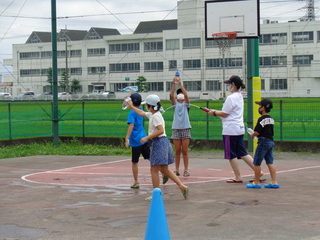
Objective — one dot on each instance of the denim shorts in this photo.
(264, 151)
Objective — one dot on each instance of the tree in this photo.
(75, 85)
(64, 82)
(142, 84)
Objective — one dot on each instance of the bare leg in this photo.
(167, 172)
(236, 170)
(249, 161)
(257, 174)
(185, 145)
(155, 176)
(177, 146)
(135, 171)
(273, 173)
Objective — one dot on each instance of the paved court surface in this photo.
(88, 197)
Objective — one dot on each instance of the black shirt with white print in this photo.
(265, 127)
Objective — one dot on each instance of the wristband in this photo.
(214, 113)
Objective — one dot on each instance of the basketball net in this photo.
(224, 40)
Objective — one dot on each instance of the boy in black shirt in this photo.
(264, 132)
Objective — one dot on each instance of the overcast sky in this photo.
(19, 18)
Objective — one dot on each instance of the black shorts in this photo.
(143, 149)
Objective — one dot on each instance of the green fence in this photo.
(295, 119)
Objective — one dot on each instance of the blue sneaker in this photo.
(253, 185)
(270, 185)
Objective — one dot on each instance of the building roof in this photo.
(72, 35)
(156, 26)
(39, 37)
(98, 33)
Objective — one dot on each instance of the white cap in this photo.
(152, 100)
(180, 96)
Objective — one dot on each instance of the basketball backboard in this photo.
(241, 16)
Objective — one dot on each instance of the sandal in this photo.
(148, 198)
(176, 173)
(165, 179)
(186, 193)
(186, 174)
(135, 185)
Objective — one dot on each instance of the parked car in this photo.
(4, 96)
(107, 95)
(44, 96)
(102, 95)
(67, 96)
(25, 96)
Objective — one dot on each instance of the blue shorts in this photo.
(234, 147)
(161, 152)
(264, 150)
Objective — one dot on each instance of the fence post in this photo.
(281, 120)
(10, 123)
(83, 128)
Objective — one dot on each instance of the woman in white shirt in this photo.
(233, 128)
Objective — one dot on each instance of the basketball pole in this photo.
(252, 75)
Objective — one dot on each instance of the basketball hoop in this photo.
(224, 40)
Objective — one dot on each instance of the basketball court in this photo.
(89, 197)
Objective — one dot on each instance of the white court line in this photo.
(205, 181)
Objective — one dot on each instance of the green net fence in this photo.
(295, 119)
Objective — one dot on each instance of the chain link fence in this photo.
(295, 119)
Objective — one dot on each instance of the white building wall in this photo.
(303, 81)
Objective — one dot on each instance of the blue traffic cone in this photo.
(157, 226)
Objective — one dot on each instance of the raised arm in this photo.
(184, 91)
(137, 110)
(173, 100)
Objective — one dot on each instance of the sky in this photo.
(19, 18)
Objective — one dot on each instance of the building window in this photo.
(61, 54)
(318, 36)
(96, 52)
(172, 44)
(298, 37)
(213, 85)
(75, 53)
(124, 47)
(192, 85)
(278, 84)
(191, 64)
(29, 55)
(155, 86)
(263, 87)
(213, 43)
(125, 67)
(229, 62)
(275, 38)
(76, 71)
(153, 46)
(153, 67)
(191, 43)
(188, 85)
(96, 70)
(302, 59)
(173, 65)
(273, 61)
(46, 54)
(93, 35)
(117, 87)
(34, 39)
(29, 72)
